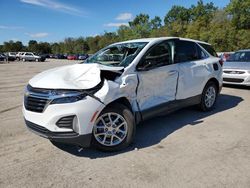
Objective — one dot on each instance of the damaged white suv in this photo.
(100, 101)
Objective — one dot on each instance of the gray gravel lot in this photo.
(184, 149)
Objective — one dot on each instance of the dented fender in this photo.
(122, 87)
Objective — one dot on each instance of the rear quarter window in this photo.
(209, 49)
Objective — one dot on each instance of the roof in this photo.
(160, 39)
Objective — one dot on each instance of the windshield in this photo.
(118, 54)
(240, 56)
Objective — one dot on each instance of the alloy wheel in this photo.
(110, 129)
(210, 96)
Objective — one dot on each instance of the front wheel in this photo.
(114, 129)
(209, 97)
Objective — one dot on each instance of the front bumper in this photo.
(236, 79)
(63, 137)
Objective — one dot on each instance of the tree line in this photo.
(227, 29)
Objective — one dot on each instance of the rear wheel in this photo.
(37, 60)
(24, 60)
(209, 96)
(114, 129)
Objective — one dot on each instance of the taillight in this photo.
(221, 62)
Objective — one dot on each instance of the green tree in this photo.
(240, 13)
(156, 22)
(178, 14)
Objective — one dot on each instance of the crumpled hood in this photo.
(79, 76)
(236, 65)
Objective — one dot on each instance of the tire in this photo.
(114, 128)
(37, 60)
(209, 97)
(24, 59)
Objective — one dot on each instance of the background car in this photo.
(236, 70)
(2, 57)
(225, 55)
(18, 55)
(29, 56)
(72, 57)
(83, 56)
(60, 56)
(11, 56)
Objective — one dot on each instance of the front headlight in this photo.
(68, 98)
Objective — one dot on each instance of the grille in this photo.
(234, 72)
(35, 104)
(236, 80)
(66, 122)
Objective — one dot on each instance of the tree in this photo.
(240, 13)
(12, 46)
(33, 46)
(202, 11)
(178, 14)
(156, 22)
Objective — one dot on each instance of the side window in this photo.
(159, 55)
(187, 51)
(209, 49)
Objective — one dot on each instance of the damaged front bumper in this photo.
(63, 137)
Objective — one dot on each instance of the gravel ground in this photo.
(185, 149)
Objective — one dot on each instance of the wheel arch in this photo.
(121, 100)
(216, 83)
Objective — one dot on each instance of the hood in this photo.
(79, 76)
(236, 65)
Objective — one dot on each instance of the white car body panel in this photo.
(165, 78)
(79, 76)
(193, 76)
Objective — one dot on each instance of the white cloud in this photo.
(10, 27)
(124, 16)
(115, 24)
(55, 5)
(37, 35)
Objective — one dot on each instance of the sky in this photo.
(54, 20)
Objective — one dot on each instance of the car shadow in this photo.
(161, 126)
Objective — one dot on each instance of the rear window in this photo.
(209, 49)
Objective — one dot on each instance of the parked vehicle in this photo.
(2, 57)
(83, 56)
(18, 55)
(29, 56)
(237, 68)
(72, 57)
(225, 55)
(10, 56)
(101, 101)
(60, 56)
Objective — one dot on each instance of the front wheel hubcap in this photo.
(210, 97)
(110, 129)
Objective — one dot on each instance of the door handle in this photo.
(172, 72)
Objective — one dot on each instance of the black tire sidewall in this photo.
(129, 118)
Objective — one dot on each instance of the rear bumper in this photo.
(63, 137)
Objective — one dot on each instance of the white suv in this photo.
(100, 101)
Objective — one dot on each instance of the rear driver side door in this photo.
(157, 77)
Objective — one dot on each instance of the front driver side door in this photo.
(157, 77)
